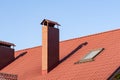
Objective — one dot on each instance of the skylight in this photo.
(90, 56)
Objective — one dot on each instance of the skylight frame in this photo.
(90, 56)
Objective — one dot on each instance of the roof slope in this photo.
(28, 66)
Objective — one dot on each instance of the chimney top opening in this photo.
(49, 23)
(7, 44)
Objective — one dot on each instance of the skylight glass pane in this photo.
(92, 54)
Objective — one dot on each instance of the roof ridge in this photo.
(28, 48)
(92, 35)
(74, 38)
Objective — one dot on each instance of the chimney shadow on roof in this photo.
(75, 50)
(70, 54)
(20, 55)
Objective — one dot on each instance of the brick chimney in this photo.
(50, 45)
(6, 53)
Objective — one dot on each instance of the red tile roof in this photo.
(28, 66)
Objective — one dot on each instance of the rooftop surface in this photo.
(28, 63)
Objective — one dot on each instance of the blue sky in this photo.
(20, 19)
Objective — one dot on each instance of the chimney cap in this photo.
(7, 43)
(49, 22)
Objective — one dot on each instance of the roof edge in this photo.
(72, 39)
(92, 35)
(28, 48)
